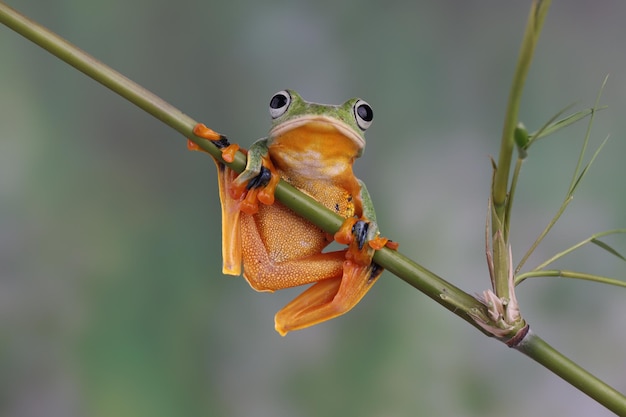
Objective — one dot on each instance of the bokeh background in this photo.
(112, 301)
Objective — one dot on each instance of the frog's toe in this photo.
(229, 151)
(202, 131)
(193, 146)
(380, 242)
(344, 234)
(250, 204)
(266, 195)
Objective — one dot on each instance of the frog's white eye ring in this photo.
(363, 114)
(279, 103)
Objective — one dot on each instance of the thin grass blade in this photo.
(608, 248)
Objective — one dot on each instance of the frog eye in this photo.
(279, 103)
(363, 114)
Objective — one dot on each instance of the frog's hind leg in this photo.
(281, 250)
(328, 299)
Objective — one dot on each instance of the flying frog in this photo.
(312, 146)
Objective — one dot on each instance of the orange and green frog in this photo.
(312, 146)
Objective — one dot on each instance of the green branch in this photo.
(538, 12)
(536, 348)
(500, 262)
(569, 274)
(444, 293)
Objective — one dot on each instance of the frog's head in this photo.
(351, 119)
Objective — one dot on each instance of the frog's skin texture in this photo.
(312, 146)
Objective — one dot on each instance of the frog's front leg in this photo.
(362, 234)
(258, 181)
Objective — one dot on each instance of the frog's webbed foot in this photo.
(228, 149)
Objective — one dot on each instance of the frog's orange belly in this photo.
(281, 249)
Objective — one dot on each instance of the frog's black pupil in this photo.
(365, 112)
(278, 101)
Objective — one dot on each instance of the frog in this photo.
(313, 147)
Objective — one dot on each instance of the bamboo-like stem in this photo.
(500, 192)
(536, 348)
(96, 70)
(537, 15)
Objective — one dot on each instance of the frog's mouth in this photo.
(321, 124)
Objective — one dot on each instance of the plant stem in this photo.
(500, 192)
(537, 15)
(96, 69)
(507, 213)
(540, 351)
(569, 274)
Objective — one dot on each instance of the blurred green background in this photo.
(112, 301)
